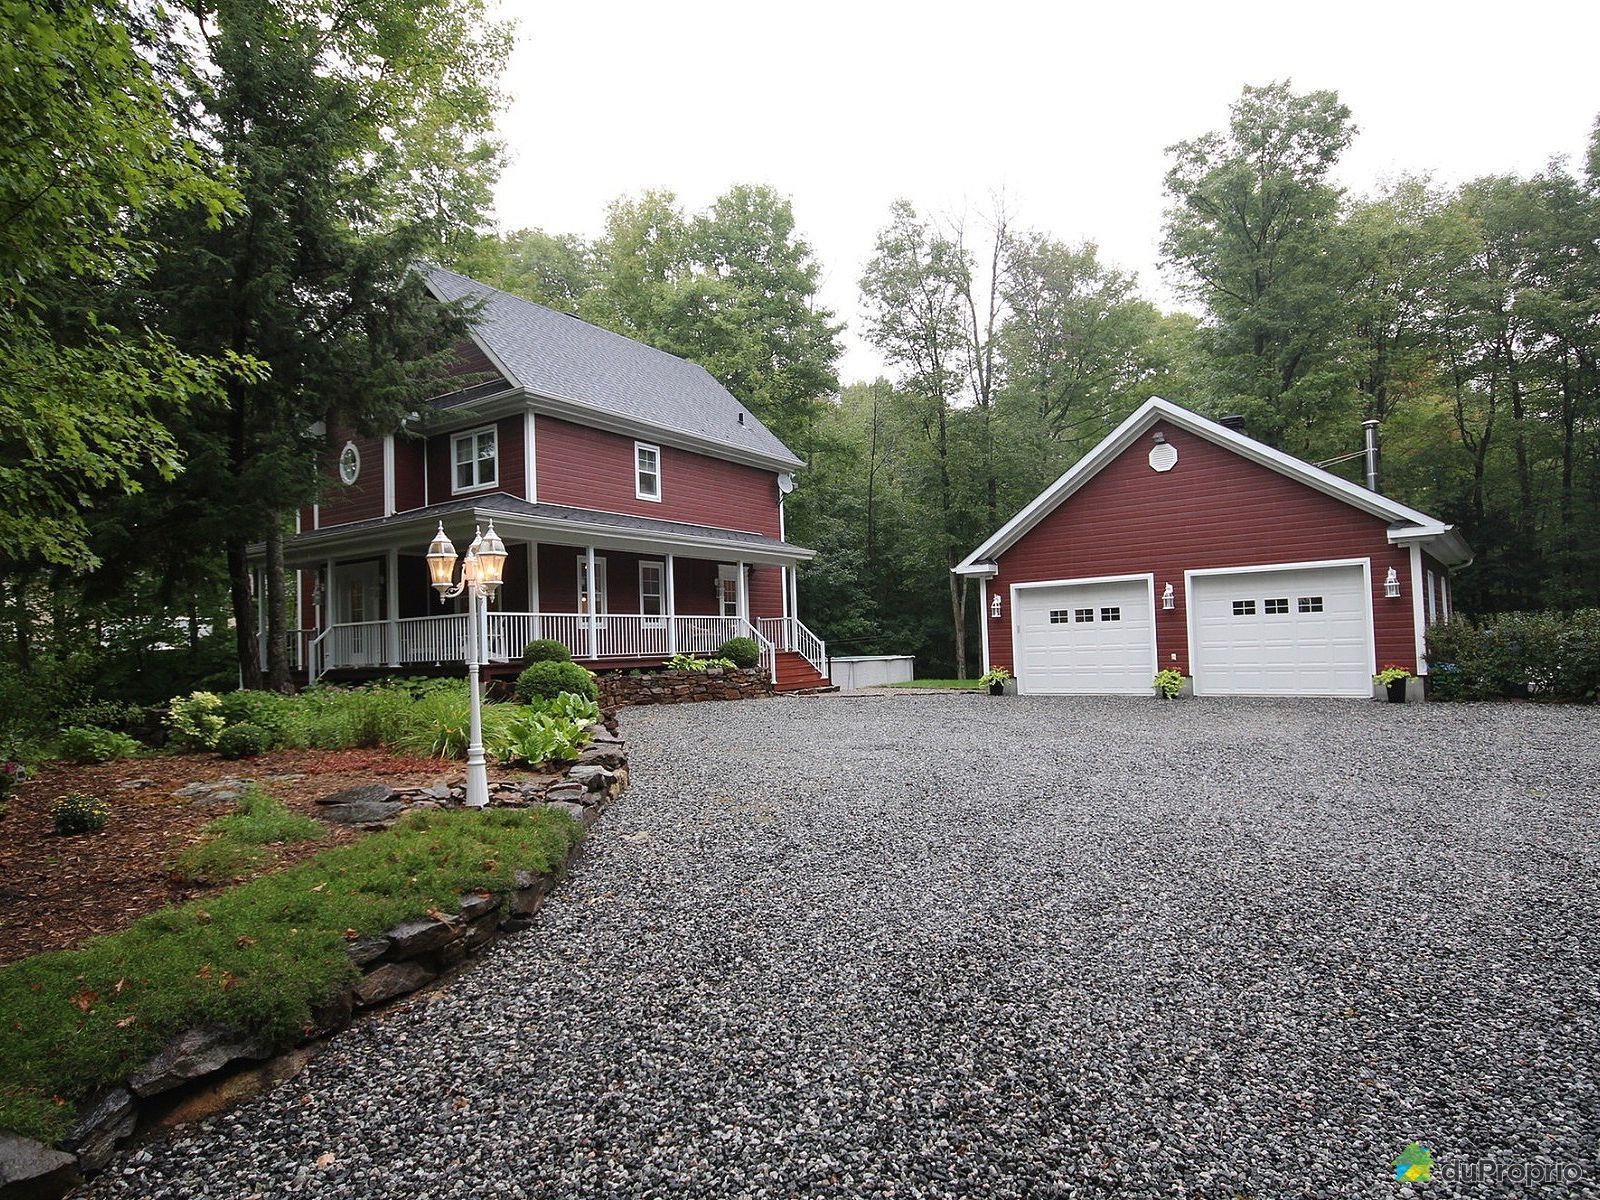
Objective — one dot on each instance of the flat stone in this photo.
(30, 1168)
(371, 812)
(335, 1014)
(609, 757)
(94, 1138)
(569, 792)
(129, 785)
(575, 811)
(438, 791)
(593, 778)
(193, 1053)
(367, 950)
(410, 938)
(389, 981)
(475, 904)
(362, 793)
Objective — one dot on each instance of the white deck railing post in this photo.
(672, 607)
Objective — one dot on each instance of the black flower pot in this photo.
(997, 689)
(1397, 691)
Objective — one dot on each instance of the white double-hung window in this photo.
(476, 455)
(646, 471)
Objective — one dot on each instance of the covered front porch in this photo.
(617, 598)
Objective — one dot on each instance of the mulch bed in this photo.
(58, 892)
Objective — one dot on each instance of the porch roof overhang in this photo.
(519, 520)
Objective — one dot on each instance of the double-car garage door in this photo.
(1285, 631)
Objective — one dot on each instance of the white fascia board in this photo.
(1156, 409)
(982, 570)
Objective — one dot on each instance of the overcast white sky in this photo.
(1067, 107)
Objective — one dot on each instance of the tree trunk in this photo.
(278, 678)
(246, 645)
(24, 626)
(958, 613)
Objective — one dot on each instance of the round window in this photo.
(349, 463)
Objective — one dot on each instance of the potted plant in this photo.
(1393, 680)
(1168, 683)
(995, 679)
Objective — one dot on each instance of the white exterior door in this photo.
(1285, 631)
(1091, 637)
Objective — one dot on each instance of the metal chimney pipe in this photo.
(1371, 430)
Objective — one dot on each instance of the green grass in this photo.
(238, 843)
(962, 684)
(260, 956)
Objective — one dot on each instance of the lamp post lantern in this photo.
(482, 571)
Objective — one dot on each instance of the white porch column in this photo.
(327, 598)
(672, 605)
(391, 604)
(744, 594)
(259, 579)
(535, 625)
(594, 619)
(794, 593)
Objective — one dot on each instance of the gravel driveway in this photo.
(951, 945)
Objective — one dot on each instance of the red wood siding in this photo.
(1214, 509)
(512, 465)
(766, 592)
(362, 499)
(591, 468)
(410, 464)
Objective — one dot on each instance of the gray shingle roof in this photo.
(554, 354)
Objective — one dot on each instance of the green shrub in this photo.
(743, 652)
(534, 737)
(545, 650)
(243, 741)
(271, 711)
(195, 721)
(89, 744)
(1551, 656)
(106, 714)
(688, 662)
(547, 680)
(440, 725)
(79, 813)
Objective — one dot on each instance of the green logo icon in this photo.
(1415, 1164)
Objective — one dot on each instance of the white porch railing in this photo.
(787, 633)
(443, 639)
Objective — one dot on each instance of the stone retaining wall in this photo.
(393, 964)
(620, 690)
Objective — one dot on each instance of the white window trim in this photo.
(456, 438)
(727, 573)
(646, 619)
(638, 491)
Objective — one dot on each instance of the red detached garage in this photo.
(1180, 542)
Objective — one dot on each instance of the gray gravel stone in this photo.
(925, 946)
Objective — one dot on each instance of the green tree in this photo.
(556, 270)
(361, 136)
(90, 149)
(1251, 234)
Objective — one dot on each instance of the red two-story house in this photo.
(641, 503)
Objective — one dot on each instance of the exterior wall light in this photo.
(1168, 600)
(994, 607)
(1391, 584)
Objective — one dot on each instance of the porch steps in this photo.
(797, 675)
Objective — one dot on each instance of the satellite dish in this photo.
(785, 482)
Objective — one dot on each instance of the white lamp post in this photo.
(482, 570)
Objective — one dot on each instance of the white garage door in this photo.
(1303, 631)
(1085, 638)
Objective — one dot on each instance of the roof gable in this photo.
(1405, 523)
(555, 356)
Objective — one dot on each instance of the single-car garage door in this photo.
(1085, 638)
(1301, 631)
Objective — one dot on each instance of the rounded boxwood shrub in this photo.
(243, 740)
(545, 650)
(79, 812)
(741, 651)
(547, 680)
